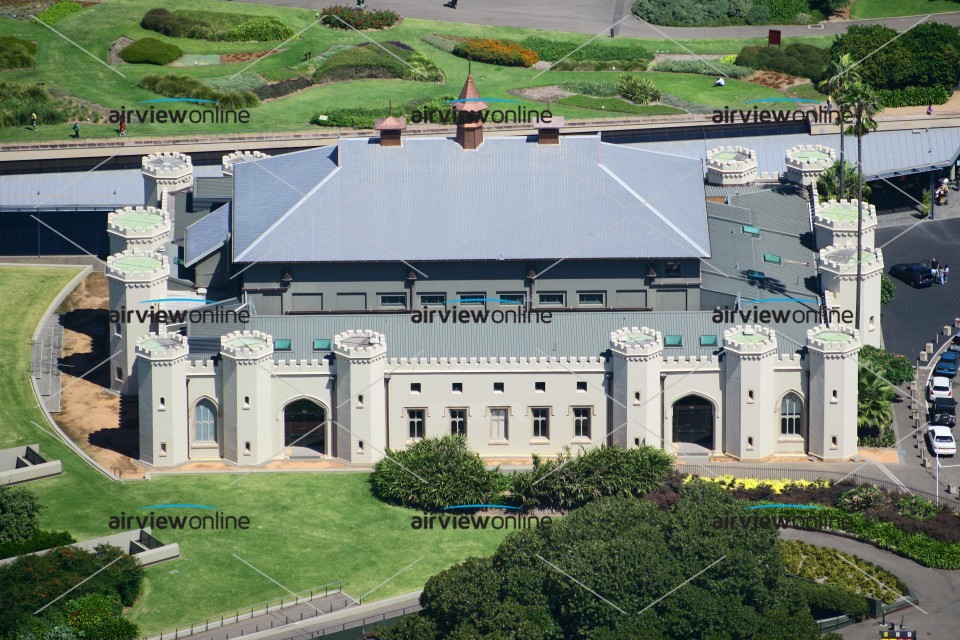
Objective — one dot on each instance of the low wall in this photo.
(33, 472)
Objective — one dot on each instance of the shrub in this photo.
(340, 14)
(18, 510)
(16, 53)
(170, 24)
(862, 498)
(896, 368)
(917, 507)
(887, 289)
(260, 29)
(98, 615)
(151, 51)
(434, 473)
(567, 482)
(17, 102)
(440, 42)
(247, 81)
(688, 13)
(730, 58)
(367, 62)
(356, 118)
(39, 541)
(758, 14)
(703, 67)
(183, 86)
(595, 89)
(422, 68)
(282, 88)
(826, 601)
(832, 567)
(913, 96)
(58, 12)
(501, 52)
(637, 90)
(800, 60)
(547, 49)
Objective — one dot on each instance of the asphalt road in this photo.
(590, 16)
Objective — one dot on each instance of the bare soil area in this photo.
(121, 43)
(774, 80)
(227, 58)
(542, 94)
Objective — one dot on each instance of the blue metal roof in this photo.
(206, 235)
(432, 200)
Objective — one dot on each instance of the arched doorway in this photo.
(693, 421)
(304, 427)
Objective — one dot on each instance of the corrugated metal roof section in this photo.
(510, 199)
(569, 334)
(716, 191)
(213, 188)
(206, 235)
(885, 153)
(104, 189)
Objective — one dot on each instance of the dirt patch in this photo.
(91, 415)
(121, 43)
(23, 9)
(774, 80)
(227, 58)
(543, 94)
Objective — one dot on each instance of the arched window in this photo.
(791, 415)
(205, 422)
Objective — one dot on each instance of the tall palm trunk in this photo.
(843, 166)
(859, 131)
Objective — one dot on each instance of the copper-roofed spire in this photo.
(469, 96)
(469, 120)
(390, 128)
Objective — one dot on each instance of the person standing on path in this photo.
(452, 4)
(76, 130)
(946, 274)
(33, 121)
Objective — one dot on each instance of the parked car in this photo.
(947, 365)
(943, 411)
(941, 441)
(915, 274)
(939, 387)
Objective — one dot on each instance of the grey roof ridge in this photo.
(289, 212)
(649, 206)
(204, 254)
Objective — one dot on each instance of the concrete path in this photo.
(595, 17)
(936, 589)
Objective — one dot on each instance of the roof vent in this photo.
(549, 132)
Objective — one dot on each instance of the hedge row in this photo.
(58, 12)
(827, 602)
(502, 52)
(18, 101)
(151, 51)
(282, 88)
(358, 19)
(215, 25)
(594, 89)
(801, 60)
(371, 61)
(39, 541)
(182, 86)
(552, 50)
(440, 42)
(702, 67)
(912, 96)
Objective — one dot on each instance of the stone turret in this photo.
(835, 223)
(360, 434)
(838, 273)
(250, 434)
(238, 157)
(164, 173)
(832, 401)
(751, 355)
(162, 368)
(731, 166)
(805, 163)
(636, 361)
(145, 228)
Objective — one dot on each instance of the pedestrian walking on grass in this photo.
(33, 121)
(76, 130)
(123, 128)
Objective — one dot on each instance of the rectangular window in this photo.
(510, 298)
(541, 423)
(458, 422)
(393, 300)
(539, 387)
(282, 344)
(498, 387)
(671, 269)
(592, 298)
(414, 387)
(772, 258)
(708, 341)
(498, 424)
(321, 344)
(753, 231)
(119, 374)
(415, 421)
(582, 387)
(457, 387)
(673, 341)
(432, 299)
(472, 297)
(553, 298)
(581, 422)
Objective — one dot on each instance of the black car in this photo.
(943, 411)
(913, 273)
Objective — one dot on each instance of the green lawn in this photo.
(67, 70)
(305, 529)
(805, 91)
(894, 8)
(618, 105)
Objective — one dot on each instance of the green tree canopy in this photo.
(18, 514)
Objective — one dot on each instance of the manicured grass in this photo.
(618, 105)
(893, 8)
(62, 67)
(805, 91)
(305, 529)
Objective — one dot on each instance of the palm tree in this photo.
(874, 403)
(840, 75)
(863, 104)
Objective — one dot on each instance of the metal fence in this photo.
(769, 472)
(381, 617)
(272, 606)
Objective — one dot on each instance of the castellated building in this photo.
(529, 293)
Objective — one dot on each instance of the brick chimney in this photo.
(469, 110)
(390, 129)
(549, 132)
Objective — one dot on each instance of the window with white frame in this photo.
(581, 422)
(791, 415)
(498, 424)
(205, 422)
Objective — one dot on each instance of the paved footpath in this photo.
(594, 17)
(936, 589)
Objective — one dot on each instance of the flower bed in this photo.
(344, 17)
(501, 52)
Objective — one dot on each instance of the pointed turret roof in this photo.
(470, 97)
